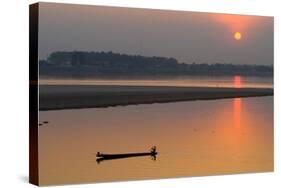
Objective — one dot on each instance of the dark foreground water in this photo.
(193, 139)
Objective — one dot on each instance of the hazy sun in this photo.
(237, 35)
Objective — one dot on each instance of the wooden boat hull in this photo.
(102, 157)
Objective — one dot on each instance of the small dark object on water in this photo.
(44, 122)
(101, 156)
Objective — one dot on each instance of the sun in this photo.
(237, 35)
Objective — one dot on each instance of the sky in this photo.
(187, 36)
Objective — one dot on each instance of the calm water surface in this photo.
(193, 139)
(197, 81)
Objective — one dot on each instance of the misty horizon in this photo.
(137, 55)
(110, 64)
(186, 36)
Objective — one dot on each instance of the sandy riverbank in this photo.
(58, 97)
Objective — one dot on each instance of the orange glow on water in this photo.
(237, 104)
(237, 112)
(234, 139)
(237, 81)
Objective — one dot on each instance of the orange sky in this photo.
(236, 22)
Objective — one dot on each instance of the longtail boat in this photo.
(102, 156)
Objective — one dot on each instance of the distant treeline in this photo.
(78, 64)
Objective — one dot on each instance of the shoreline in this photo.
(61, 97)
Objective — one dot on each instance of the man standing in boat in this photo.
(153, 149)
